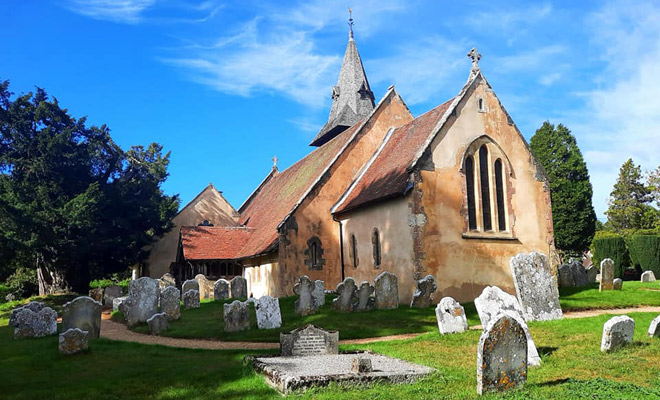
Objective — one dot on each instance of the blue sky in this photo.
(225, 86)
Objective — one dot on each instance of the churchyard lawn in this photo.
(633, 294)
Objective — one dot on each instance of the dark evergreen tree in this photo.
(629, 205)
(573, 214)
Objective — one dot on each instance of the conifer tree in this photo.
(629, 201)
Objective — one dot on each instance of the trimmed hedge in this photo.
(645, 252)
(613, 247)
(104, 283)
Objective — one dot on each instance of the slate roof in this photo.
(213, 242)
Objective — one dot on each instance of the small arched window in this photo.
(499, 193)
(481, 105)
(353, 251)
(485, 187)
(314, 254)
(375, 240)
(469, 181)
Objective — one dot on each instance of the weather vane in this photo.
(350, 22)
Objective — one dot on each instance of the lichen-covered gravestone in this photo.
(494, 301)
(346, 299)
(73, 341)
(35, 324)
(169, 302)
(167, 280)
(158, 323)
(304, 288)
(387, 291)
(451, 316)
(422, 296)
(96, 294)
(617, 284)
(648, 276)
(238, 286)
(501, 355)
(221, 289)
(617, 332)
(205, 288)
(190, 284)
(35, 306)
(142, 301)
(572, 274)
(268, 312)
(592, 271)
(309, 340)
(236, 316)
(606, 275)
(111, 293)
(318, 294)
(654, 328)
(118, 304)
(83, 313)
(365, 300)
(191, 299)
(536, 287)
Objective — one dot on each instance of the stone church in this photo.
(454, 193)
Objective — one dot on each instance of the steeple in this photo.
(352, 98)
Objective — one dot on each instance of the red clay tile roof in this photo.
(388, 176)
(213, 242)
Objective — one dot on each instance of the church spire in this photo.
(352, 98)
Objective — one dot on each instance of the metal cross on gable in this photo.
(475, 56)
(274, 161)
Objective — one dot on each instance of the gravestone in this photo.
(502, 355)
(494, 301)
(536, 287)
(572, 274)
(221, 289)
(118, 304)
(158, 323)
(318, 294)
(309, 340)
(361, 365)
(654, 328)
(346, 299)
(190, 284)
(617, 284)
(35, 324)
(365, 302)
(422, 296)
(170, 303)
(35, 306)
(111, 293)
(167, 280)
(305, 304)
(617, 332)
(96, 294)
(205, 287)
(191, 299)
(238, 286)
(142, 300)
(268, 312)
(387, 291)
(592, 271)
(648, 276)
(606, 274)
(82, 313)
(73, 341)
(451, 316)
(236, 316)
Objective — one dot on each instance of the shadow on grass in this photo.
(546, 351)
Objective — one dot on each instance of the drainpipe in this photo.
(341, 246)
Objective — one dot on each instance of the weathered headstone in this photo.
(305, 304)
(142, 300)
(110, 294)
(318, 294)
(238, 286)
(221, 289)
(364, 296)
(205, 287)
(494, 301)
(617, 284)
(35, 324)
(648, 276)
(118, 303)
(268, 312)
(35, 306)
(451, 316)
(422, 296)
(169, 302)
(82, 313)
(167, 280)
(309, 340)
(592, 271)
(654, 328)
(236, 316)
(190, 284)
(346, 299)
(191, 299)
(158, 323)
(572, 274)
(536, 287)
(502, 355)
(96, 294)
(387, 291)
(606, 274)
(361, 365)
(617, 332)
(73, 340)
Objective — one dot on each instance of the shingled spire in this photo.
(352, 98)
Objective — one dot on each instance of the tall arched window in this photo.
(354, 253)
(315, 253)
(469, 181)
(375, 239)
(485, 188)
(499, 194)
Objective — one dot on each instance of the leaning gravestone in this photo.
(501, 355)
(205, 289)
(387, 291)
(536, 287)
(236, 316)
(305, 304)
(111, 293)
(318, 294)
(346, 296)
(191, 299)
(451, 316)
(592, 271)
(422, 296)
(606, 274)
(365, 300)
(158, 323)
(648, 276)
(617, 332)
(73, 341)
(268, 312)
(142, 301)
(309, 340)
(82, 313)
(35, 306)
(169, 302)
(221, 289)
(96, 294)
(167, 280)
(494, 301)
(35, 324)
(190, 284)
(238, 288)
(617, 284)
(654, 328)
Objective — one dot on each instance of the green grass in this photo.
(634, 294)
(56, 302)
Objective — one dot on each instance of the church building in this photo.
(453, 193)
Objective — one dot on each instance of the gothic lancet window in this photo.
(499, 193)
(485, 188)
(375, 240)
(353, 251)
(469, 181)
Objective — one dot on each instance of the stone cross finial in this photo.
(275, 161)
(350, 23)
(475, 57)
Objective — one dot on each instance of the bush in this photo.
(4, 291)
(611, 246)
(104, 283)
(645, 252)
(23, 283)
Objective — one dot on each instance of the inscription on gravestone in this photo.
(309, 341)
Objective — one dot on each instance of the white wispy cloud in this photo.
(122, 11)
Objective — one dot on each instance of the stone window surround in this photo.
(377, 248)
(353, 251)
(314, 247)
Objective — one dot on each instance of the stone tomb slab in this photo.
(288, 374)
